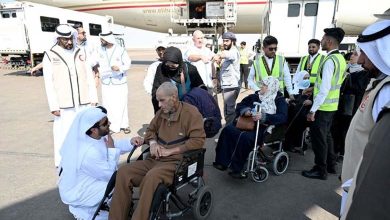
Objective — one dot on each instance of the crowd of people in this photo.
(340, 99)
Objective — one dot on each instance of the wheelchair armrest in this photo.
(141, 155)
(192, 153)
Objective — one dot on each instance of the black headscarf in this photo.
(174, 55)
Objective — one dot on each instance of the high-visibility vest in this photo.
(276, 71)
(244, 56)
(313, 71)
(331, 102)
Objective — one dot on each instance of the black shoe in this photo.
(238, 175)
(331, 169)
(126, 130)
(315, 174)
(219, 166)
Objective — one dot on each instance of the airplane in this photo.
(293, 22)
(252, 16)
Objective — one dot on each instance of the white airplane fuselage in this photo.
(352, 15)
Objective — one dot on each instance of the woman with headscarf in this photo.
(297, 110)
(184, 75)
(234, 145)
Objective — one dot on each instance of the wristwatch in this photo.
(311, 112)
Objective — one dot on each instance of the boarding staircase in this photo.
(217, 15)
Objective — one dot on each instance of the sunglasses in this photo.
(272, 48)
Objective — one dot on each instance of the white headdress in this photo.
(109, 37)
(65, 30)
(375, 42)
(73, 150)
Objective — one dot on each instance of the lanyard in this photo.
(109, 59)
(266, 65)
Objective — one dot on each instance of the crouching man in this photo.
(176, 128)
(89, 158)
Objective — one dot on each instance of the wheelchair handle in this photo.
(257, 106)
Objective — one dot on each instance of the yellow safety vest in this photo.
(331, 102)
(276, 71)
(313, 71)
(244, 56)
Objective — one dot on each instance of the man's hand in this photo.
(155, 150)
(310, 116)
(137, 141)
(205, 59)
(56, 113)
(115, 68)
(109, 141)
(165, 152)
(307, 102)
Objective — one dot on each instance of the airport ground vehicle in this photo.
(28, 29)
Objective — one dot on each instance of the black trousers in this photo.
(244, 72)
(322, 141)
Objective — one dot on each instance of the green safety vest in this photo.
(331, 102)
(314, 67)
(277, 70)
(244, 56)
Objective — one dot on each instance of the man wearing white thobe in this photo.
(201, 56)
(113, 64)
(69, 84)
(89, 158)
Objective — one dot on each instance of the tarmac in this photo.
(28, 177)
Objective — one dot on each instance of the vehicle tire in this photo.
(280, 163)
(204, 203)
(260, 174)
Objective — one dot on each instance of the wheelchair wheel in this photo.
(157, 209)
(280, 163)
(203, 204)
(260, 174)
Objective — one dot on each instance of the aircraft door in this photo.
(298, 27)
(308, 24)
(289, 40)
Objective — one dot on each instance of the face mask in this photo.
(304, 84)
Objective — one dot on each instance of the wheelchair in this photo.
(277, 160)
(167, 203)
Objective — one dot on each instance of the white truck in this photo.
(28, 29)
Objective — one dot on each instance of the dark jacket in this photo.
(208, 107)
(280, 117)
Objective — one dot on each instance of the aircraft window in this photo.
(311, 9)
(95, 29)
(293, 10)
(75, 24)
(49, 24)
(4, 14)
(14, 15)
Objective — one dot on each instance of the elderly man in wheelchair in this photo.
(236, 143)
(176, 129)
